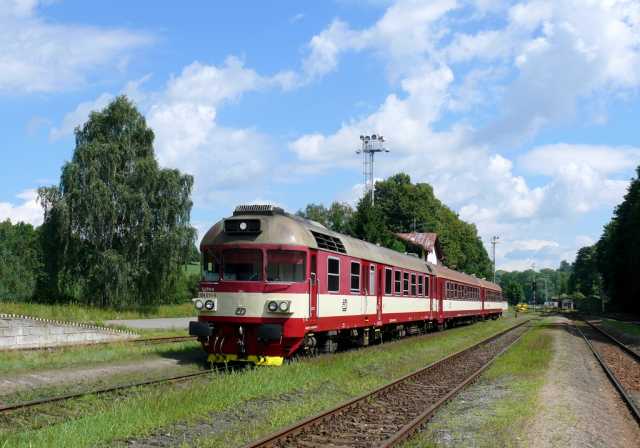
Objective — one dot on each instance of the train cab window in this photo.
(286, 266)
(355, 276)
(242, 265)
(211, 267)
(333, 275)
(405, 279)
(414, 292)
(388, 279)
(398, 282)
(372, 280)
(420, 280)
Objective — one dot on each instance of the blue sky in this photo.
(523, 116)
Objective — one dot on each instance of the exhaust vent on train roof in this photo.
(329, 242)
(258, 209)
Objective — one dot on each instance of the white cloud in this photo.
(28, 211)
(404, 31)
(38, 56)
(532, 72)
(224, 161)
(78, 116)
(296, 18)
(581, 175)
(554, 159)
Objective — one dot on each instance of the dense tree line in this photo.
(548, 284)
(617, 253)
(402, 206)
(20, 260)
(604, 275)
(116, 229)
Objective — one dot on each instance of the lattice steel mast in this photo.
(371, 144)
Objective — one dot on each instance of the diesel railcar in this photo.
(275, 284)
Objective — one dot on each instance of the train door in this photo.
(430, 293)
(372, 291)
(440, 297)
(379, 297)
(313, 289)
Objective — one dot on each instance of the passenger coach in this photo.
(274, 284)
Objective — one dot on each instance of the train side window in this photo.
(333, 275)
(413, 285)
(355, 276)
(372, 280)
(420, 284)
(398, 282)
(426, 285)
(388, 280)
(405, 279)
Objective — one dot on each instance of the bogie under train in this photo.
(275, 284)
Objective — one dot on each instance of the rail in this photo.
(624, 394)
(365, 406)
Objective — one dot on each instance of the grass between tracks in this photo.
(627, 328)
(496, 410)
(228, 409)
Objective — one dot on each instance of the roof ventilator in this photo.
(329, 242)
(258, 209)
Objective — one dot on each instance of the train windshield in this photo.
(286, 266)
(211, 267)
(242, 264)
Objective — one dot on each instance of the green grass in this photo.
(83, 313)
(32, 361)
(516, 379)
(192, 268)
(627, 328)
(250, 404)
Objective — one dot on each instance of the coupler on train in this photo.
(261, 345)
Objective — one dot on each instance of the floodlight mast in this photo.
(371, 144)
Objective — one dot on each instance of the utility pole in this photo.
(371, 144)
(533, 286)
(494, 241)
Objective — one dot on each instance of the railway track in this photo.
(620, 363)
(392, 413)
(29, 404)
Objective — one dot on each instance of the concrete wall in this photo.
(18, 332)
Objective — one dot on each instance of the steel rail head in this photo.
(406, 431)
(269, 440)
(635, 355)
(626, 397)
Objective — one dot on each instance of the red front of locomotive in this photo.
(254, 295)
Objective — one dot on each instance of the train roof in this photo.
(279, 227)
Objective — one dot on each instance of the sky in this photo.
(523, 116)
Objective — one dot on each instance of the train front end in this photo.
(253, 299)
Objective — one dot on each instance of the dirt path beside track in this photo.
(578, 405)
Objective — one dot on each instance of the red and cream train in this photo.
(275, 284)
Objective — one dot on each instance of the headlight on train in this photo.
(284, 306)
(272, 306)
(198, 304)
(209, 305)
